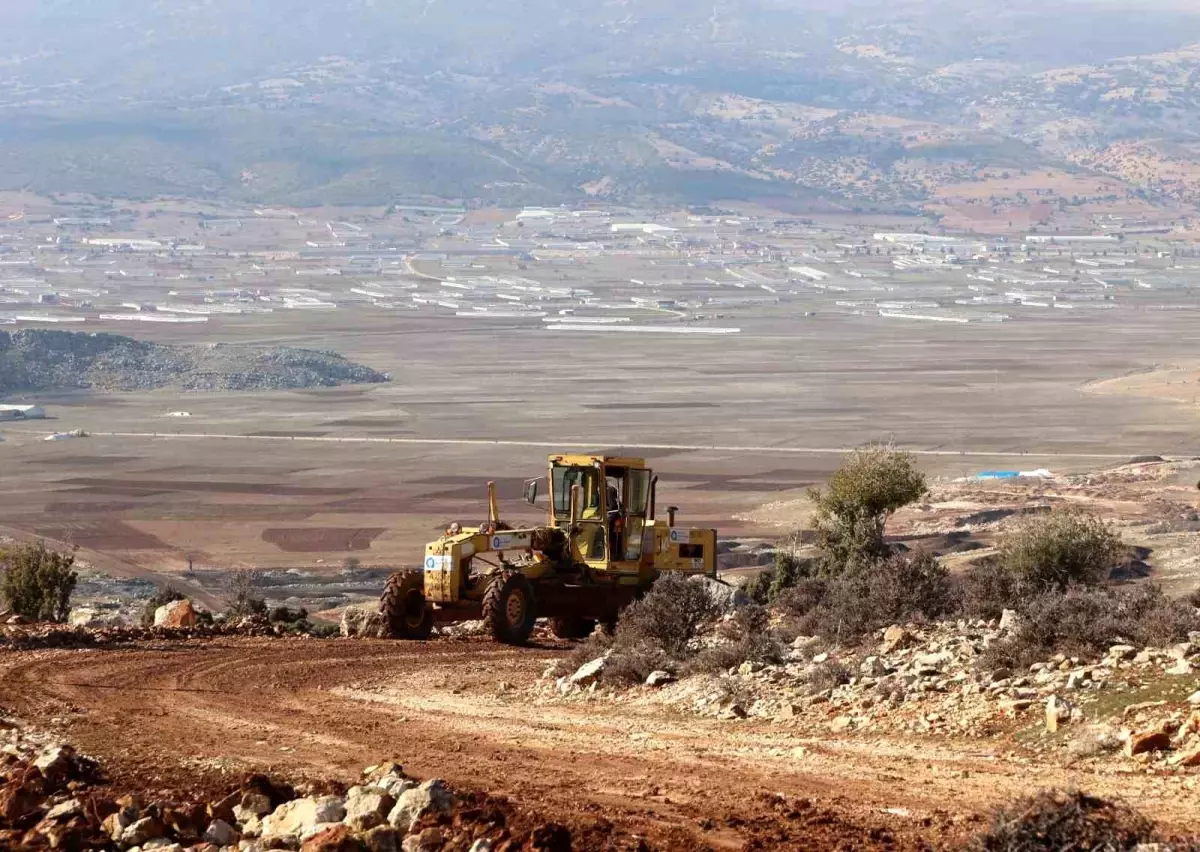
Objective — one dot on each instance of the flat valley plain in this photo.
(732, 422)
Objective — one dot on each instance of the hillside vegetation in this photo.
(42, 360)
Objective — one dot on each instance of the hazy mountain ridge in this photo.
(367, 100)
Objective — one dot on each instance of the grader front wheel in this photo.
(403, 605)
(509, 610)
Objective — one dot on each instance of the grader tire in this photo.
(572, 627)
(403, 605)
(509, 610)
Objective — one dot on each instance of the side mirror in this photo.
(531, 491)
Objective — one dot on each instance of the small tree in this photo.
(853, 510)
(1059, 550)
(37, 582)
(789, 570)
(243, 598)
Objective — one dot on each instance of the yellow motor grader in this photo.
(601, 547)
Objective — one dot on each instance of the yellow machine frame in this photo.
(601, 547)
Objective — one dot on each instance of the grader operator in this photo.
(601, 547)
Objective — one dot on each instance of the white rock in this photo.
(364, 623)
(589, 672)
(1194, 698)
(1122, 652)
(394, 785)
(94, 617)
(54, 759)
(659, 678)
(65, 810)
(297, 816)
(367, 807)
(1010, 619)
(175, 614)
(431, 797)
(221, 833)
(481, 845)
(252, 805)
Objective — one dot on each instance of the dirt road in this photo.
(177, 714)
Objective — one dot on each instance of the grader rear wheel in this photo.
(572, 627)
(405, 612)
(509, 610)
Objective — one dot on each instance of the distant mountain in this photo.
(532, 101)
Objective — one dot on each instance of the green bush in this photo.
(758, 588)
(853, 510)
(283, 615)
(789, 570)
(1061, 549)
(37, 582)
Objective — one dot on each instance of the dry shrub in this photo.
(846, 608)
(669, 617)
(1062, 549)
(827, 675)
(1064, 820)
(633, 664)
(986, 589)
(1083, 621)
(804, 597)
(657, 632)
(243, 594)
(747, 639)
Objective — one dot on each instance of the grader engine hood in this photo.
(689, 551)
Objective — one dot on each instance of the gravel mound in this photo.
(42, 360)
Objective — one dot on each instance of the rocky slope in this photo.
(43, 360)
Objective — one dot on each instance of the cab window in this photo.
(563, 479)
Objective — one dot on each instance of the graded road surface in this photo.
(180, 714)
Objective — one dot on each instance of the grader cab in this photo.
(601, 546)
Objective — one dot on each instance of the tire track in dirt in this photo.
(175, 711)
